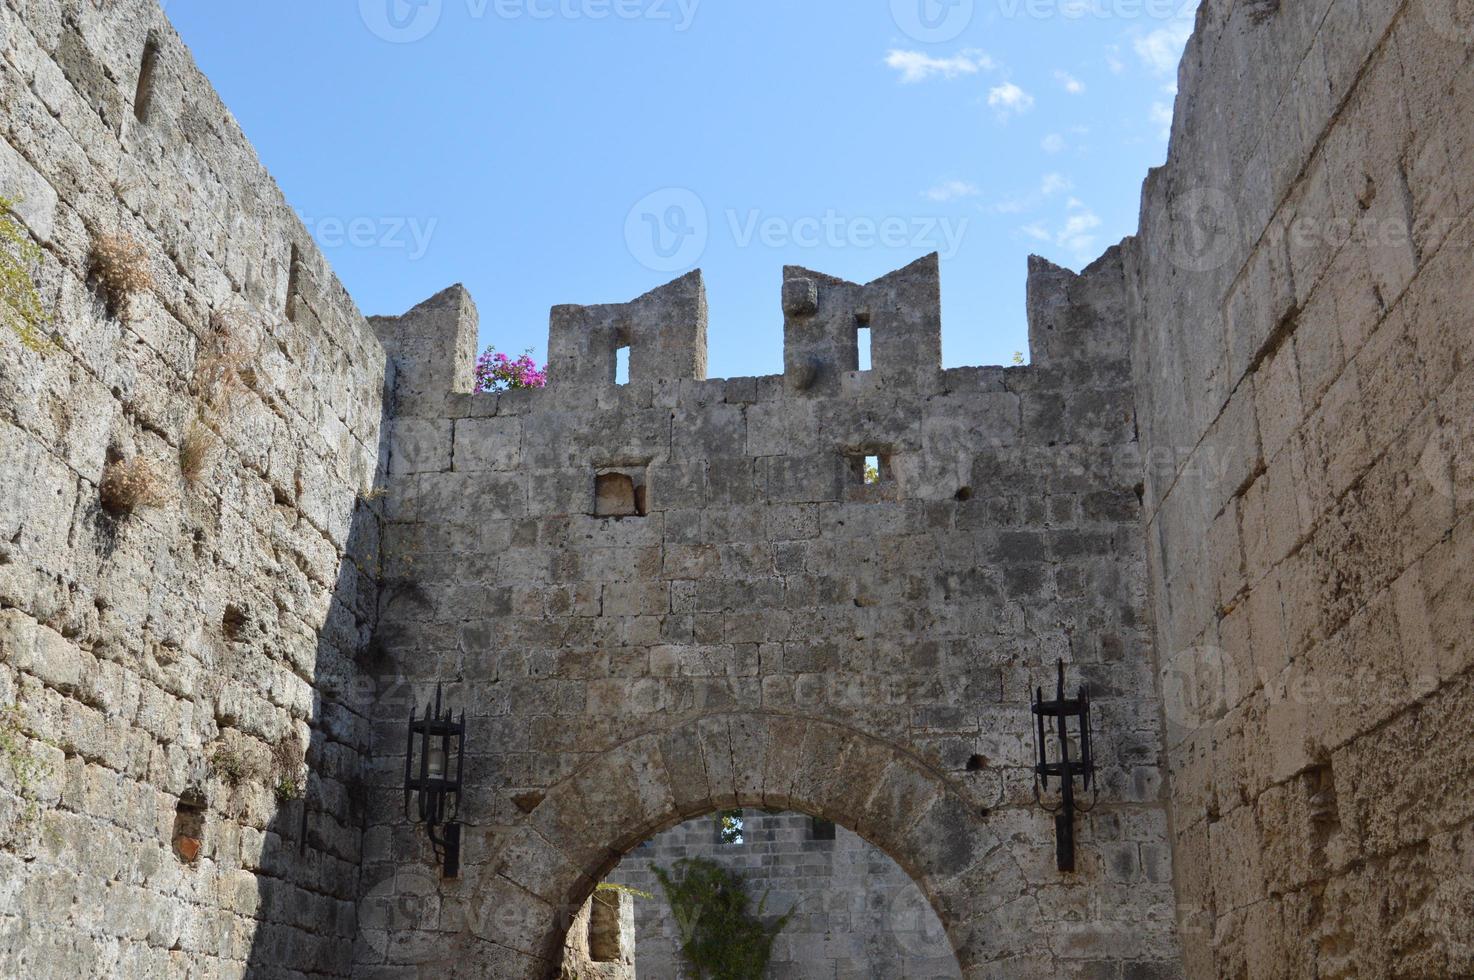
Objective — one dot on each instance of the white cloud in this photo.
(951, 190)
(1054, 184)
(1161, 49)
(1008, 99)
(917, 66)
(1113, 59)
(1076, 235)
(1071, 84)
(1053, 143)
(1161, 115)
(1050, 185)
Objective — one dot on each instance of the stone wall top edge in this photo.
(191, 138)
(857, 387)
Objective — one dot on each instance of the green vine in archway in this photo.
(722, 937)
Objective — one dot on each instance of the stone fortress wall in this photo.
(1303, 280)
(676, 596)
(855, 914)
(180, 770)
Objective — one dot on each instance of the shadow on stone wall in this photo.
(308, 871)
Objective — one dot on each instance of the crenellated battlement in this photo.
(1076, 332)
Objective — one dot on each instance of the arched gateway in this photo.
(935, 829)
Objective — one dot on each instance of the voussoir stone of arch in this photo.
(656, 780)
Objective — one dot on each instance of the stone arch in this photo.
(545, 870)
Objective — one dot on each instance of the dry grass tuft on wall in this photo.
(128, 485)
(121, 267)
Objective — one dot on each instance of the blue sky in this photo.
(585, 151)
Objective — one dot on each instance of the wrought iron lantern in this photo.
(434, 764)
(1052, 723)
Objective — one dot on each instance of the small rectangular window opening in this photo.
(862, 342)
(622, 365)
(821, 829)
(143, 97)
(872, 470)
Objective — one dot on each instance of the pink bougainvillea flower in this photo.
(496, 372)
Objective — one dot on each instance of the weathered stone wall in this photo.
(762, 628)
(855, 915)
(175, 782)
(1304, 386)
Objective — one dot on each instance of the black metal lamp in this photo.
(434, 763)
(1052, 718)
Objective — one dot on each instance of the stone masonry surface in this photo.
(1303, 283)
(1232, 490)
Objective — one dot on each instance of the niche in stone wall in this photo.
(621, 491)
(294, 276)
(189, 829)
(606, 943)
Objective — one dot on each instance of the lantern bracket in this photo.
(434, 770)
(1052, 723)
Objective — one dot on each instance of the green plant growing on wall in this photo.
(25, 768)
(722, 936)
(20, 303)
(231, 766)
(618, 889)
